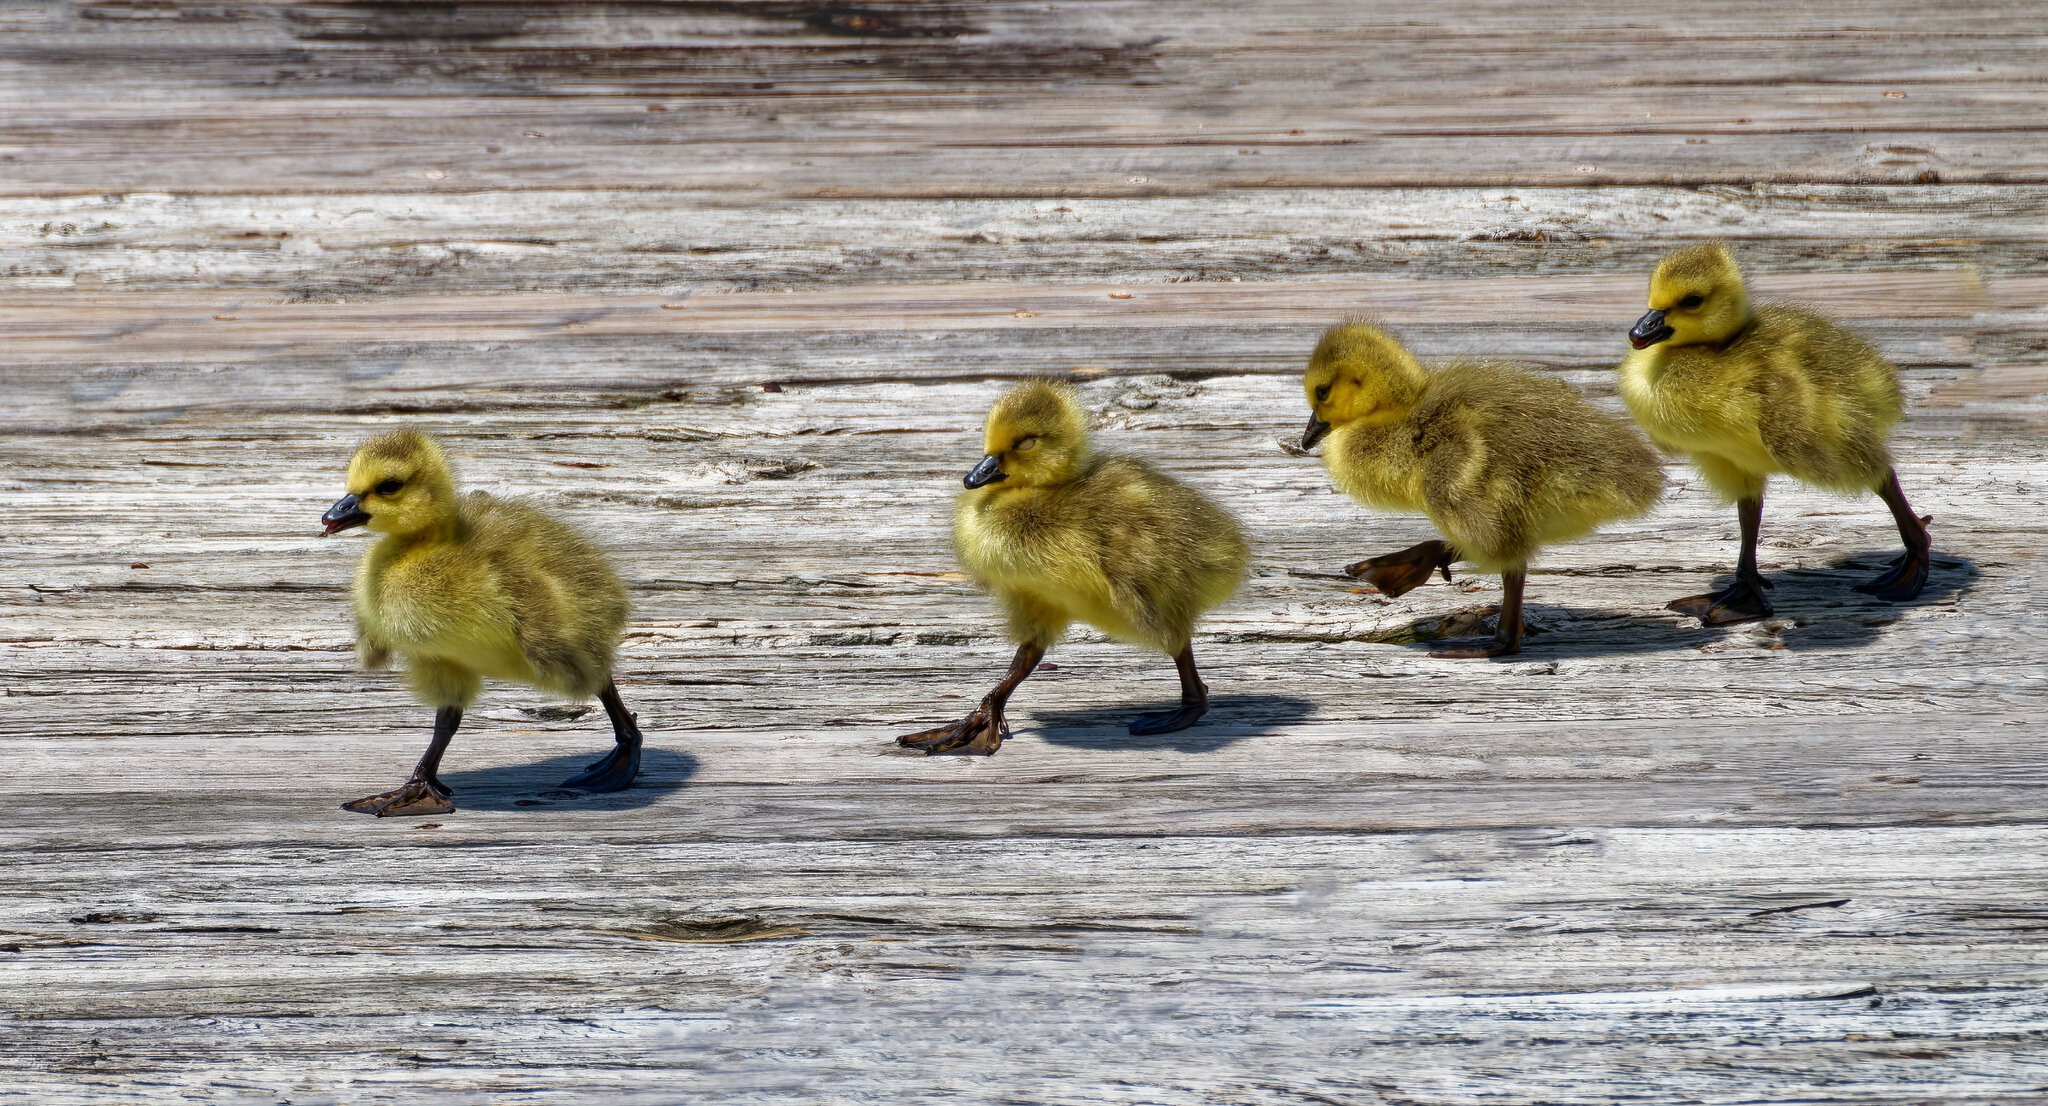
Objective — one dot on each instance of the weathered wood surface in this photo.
(907, 98)
(1794, 862)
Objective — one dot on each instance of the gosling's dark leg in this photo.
(1403, 572)
(982, 732)
(1194, 699)
(424, 793)
(1507, 637)
(616, 770)
(1743, 601)
(1908, 574)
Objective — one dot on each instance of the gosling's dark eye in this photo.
(1322, 393)
(1692, 301)
(390, 487)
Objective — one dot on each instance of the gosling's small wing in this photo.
(1166, 551)
(1131, 538)
(563, 605)
(1539, 463)
(1464, 477)
(1575, 465)
(1829, 399)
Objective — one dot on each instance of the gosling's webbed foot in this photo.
(1905, 582)
(1466, 648)
(1907, 576)
(1400, 573)
(1886, 578)
(1169, 721)
(418, 796)
(1742, 601)
(614, 772)
(979, 734)
(1695, 605)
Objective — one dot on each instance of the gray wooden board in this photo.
(357, 246)
(900, 98)
(730, 285)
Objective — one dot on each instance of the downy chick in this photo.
(470, 587)
(1059, 533)
(1747, 391)
(1504, 461)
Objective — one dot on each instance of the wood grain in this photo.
(369, 246)
(1005, 98)
(730, 285)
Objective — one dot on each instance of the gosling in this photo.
(469, 587)
(1059, 533)
(1748, 391)
(1503, 461)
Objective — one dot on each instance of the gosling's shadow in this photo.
(1832, 613)
(537, 787)
(1822, 602)
(1231, 719)
(1557, 632)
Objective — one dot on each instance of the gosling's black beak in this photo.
(346, 512)
(1316, 429)
(985, 473)
(1648, 331)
